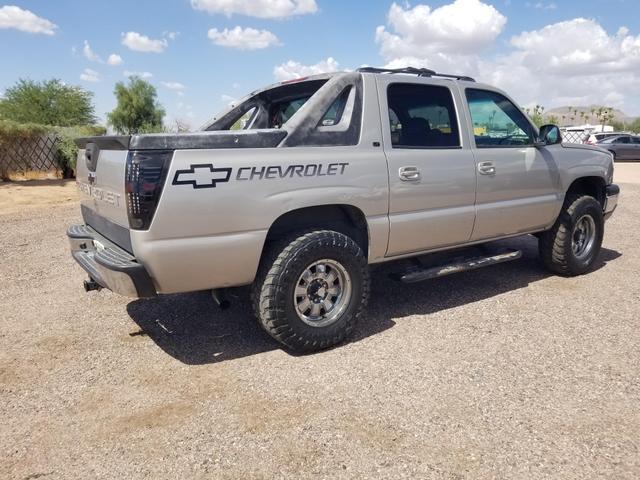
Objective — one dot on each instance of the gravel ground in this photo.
(505, 372)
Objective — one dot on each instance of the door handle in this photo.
(486, 168)
(409, 174)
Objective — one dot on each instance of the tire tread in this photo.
(267, 298)
(552, 244)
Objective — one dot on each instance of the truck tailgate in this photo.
(100, 175)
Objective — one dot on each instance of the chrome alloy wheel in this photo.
(322, 293)
(583, 237)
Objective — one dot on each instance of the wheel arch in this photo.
(343, 218)
(594, 186)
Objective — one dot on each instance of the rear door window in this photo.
(422, 116)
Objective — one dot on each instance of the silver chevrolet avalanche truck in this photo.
(302, 185)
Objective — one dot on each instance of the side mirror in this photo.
(550, 135)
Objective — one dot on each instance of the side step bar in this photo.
(459, 265)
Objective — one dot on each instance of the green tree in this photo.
(604, 114)
(137, 110)
(536, 114)
(49, 102)
(635, 126)
(618, 125)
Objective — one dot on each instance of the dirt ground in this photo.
(18, 196)
(505, 372)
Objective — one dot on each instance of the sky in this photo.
(201, 55)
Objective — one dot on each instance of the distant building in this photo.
(588, 128)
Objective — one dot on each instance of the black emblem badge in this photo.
(202, 176)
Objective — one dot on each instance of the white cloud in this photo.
(90, 75)
(143, 75)
(464, 26)
(542, 5)
(291, 69)
(114, 60)
(142, 43)
(171, 35)
(561, 48)
(243, 38)
(25, 21)
(257, 8)
(575, 62)
(90, 54)
(176, 86)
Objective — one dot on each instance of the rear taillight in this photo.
(145, 176)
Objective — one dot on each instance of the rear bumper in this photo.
(611, 200)
(109, 265)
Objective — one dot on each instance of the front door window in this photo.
(497, 122)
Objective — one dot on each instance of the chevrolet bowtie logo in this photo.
(202, 176)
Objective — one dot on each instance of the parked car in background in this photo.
(594, 138)
(623, 147)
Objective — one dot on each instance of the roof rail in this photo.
(421, 72)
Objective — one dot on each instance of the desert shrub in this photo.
(67, 153)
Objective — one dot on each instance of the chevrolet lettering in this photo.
(99, 194)
(290, 171)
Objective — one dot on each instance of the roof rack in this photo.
(421, 72)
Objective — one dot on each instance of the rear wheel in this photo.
(311, 289)
(573, 243)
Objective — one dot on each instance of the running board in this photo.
(418, 274)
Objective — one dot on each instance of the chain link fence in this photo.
(25, 156)
(575, 136)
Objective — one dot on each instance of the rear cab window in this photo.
(270, 108)
(338, 125)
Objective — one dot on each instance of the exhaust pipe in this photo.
(219, 296)
(91, 284)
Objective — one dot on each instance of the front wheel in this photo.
(311, 289)
(573, 244)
